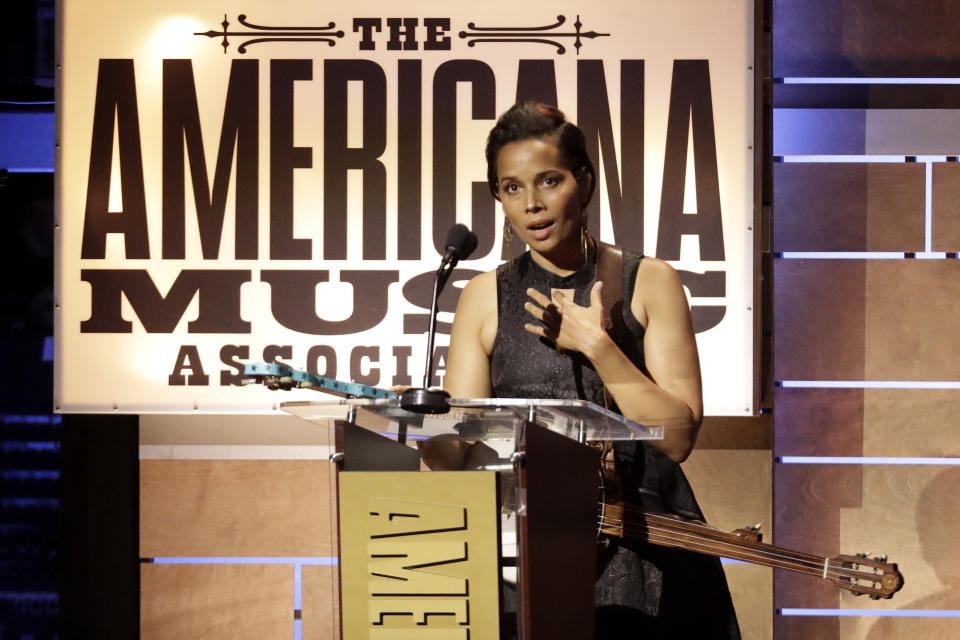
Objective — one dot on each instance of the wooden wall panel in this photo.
(234, 508)
(804, 628)
(732, 486)
(866, 38)
(912, 131)
(946, 206)
(870, 422)
(807, 38)
(895, 207)
(216, 602)
(733, 489)
(911, 320)
(866, 96)
(819, 422)
(911, 422)
(736, 432)
(903, 309)
(751, 588)
(809, 502)
(849, 207)
(818, 319)
(911, 514)
(807, 518)
(912, 627)
(808, 132)
(867, 320)
(233, 429)
(321, 605)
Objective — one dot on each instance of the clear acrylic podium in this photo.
(534, 467)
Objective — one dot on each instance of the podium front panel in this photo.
(398, 574)
(418, 555)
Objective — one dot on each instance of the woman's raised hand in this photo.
(566, 323)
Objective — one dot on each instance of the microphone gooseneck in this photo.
(460, 243)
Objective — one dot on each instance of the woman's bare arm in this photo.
(471, 339)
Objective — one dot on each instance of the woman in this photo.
(535, 328)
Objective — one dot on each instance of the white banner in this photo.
(272, 183)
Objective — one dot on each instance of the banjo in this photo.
(859, 574)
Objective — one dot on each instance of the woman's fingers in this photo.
(543, 309)
(534, 310)
(538, 297)
(535, 329)
(548, 312)
(595, 294)
(549, 329)
(549, 315)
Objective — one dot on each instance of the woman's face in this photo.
(541, 198)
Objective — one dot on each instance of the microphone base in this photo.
(425, 400)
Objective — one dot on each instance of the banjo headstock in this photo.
(863, 575)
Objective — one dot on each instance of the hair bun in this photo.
(547, 110)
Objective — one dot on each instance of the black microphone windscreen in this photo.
(469, 246)
(461, 241)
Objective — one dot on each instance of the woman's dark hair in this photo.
(526, 120)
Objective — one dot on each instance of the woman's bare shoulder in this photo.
(656, 272)
(657, 282)
(477, 309)
(480, 291)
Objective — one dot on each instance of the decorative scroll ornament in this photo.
(537, 35)
(272, 34)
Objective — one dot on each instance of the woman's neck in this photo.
(564, 261)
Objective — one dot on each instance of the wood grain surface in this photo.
(849, 206)
(819, 312)
(216, 602)
(909, 513)
(865, 38)
(321, 603)
(733, 490)
(911, 326)
(228, 508)
(819, 422)
(946, 206)
(918, 423)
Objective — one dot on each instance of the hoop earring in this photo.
(585, 238)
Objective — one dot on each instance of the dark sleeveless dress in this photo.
(642, 591)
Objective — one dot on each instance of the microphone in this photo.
(460, 243)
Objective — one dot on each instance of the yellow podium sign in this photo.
(419, 555)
